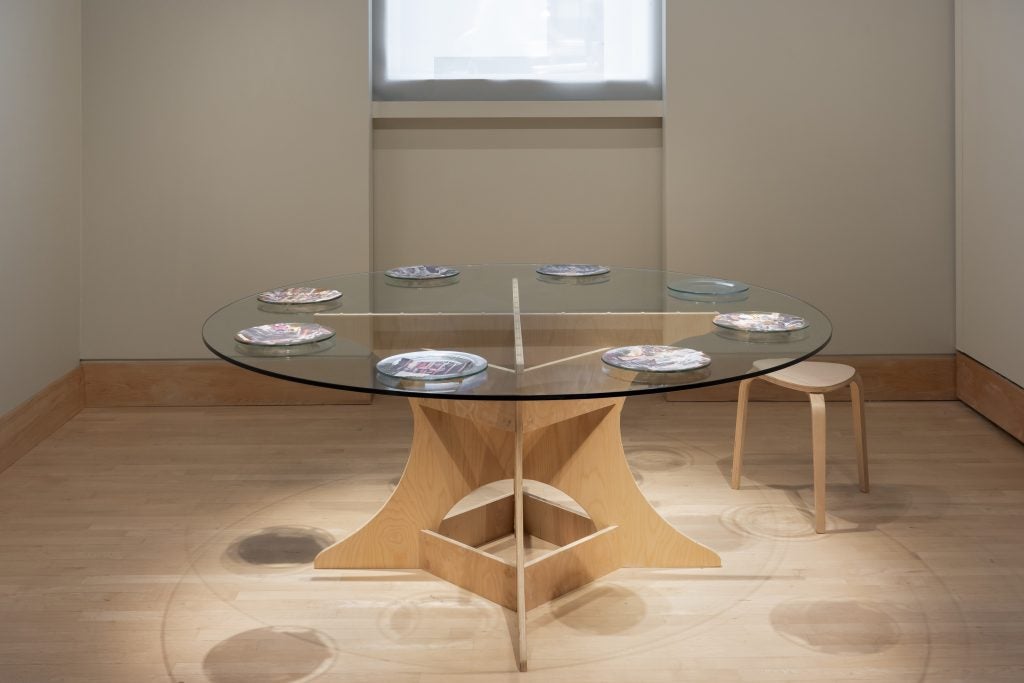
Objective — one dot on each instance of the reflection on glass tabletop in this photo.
(539, 340)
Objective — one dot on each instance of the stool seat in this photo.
(808, 376)
(815, 379)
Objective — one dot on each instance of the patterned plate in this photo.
(708, 286)
(648, 358)
(432, 365)
(421, 272)
(572, 270)
(284, 334)
(299, 295)
(760, 321)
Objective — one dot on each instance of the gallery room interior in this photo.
(477, 340)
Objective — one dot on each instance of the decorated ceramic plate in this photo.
(299, 295)
(649, 358)
(421, 272)
(572, 270)
(432, 365)
(284, 334)
(708, 286)
(760, 321)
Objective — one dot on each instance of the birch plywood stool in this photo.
(814, 379)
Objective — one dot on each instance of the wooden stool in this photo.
(814, 379)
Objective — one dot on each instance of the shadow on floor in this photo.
(886, 503)
(602, 609)
(270, 655)
(279, 546)
(836, 627)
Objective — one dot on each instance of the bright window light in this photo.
(493, 49)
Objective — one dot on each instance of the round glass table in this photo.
(517, 374)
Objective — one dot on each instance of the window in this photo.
(517, 49)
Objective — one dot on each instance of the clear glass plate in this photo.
(650, 358)
(432, 365)
(284, 334)
(708, 286)
(760, 321)
(421, 272)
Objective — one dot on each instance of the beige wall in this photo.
(517, 190)
(40, 193)
(227, 149)
(809, 148)
(990, 175)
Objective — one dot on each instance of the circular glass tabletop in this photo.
(542, 337)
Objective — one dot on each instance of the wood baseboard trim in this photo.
(175, 383)
(215, 383)
(24, 427)
(886, 378)
(992, 395)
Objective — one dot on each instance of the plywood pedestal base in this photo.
(459, 446)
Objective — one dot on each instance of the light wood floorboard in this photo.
(176, 544)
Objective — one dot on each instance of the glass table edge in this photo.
(390, 391)
(640, 391)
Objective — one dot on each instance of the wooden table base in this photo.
(459, 446)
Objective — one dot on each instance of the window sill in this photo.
(519, 109)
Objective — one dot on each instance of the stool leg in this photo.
(859, 431)
(818, 438)
(741, 431)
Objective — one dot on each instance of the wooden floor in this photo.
(174, 545)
